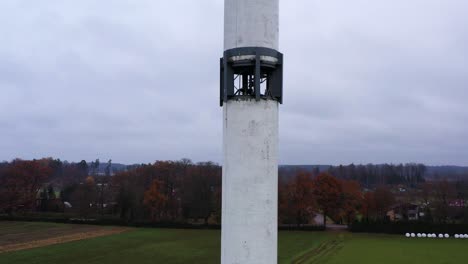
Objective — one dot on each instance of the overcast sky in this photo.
(136, 81)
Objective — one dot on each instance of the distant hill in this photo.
(115, 167)
(448, 172)
(432, 172)
(304, 167)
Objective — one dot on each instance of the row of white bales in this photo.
(424, 235)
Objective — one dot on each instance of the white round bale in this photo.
(413, 235)
(407, 235)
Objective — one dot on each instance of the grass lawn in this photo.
(367, 248)
(203, 246)
(24, 232)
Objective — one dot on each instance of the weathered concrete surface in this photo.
(250, 182)
(250, 168)
(251, 23)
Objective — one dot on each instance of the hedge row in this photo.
(301, 228)
(108, 221)
(105, 222)
(404, 227)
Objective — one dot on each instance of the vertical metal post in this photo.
(257, 77)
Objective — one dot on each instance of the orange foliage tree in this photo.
(20, 184)
(328, 194)
(155, 200)
(296, 201)
(352, 199)
(376, 204)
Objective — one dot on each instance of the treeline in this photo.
(369, 175)
(170, 191)
(187, 192)
(38, 185)
(165, 191)
(306, 196)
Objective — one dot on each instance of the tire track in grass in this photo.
(62, 239)
(320, 253)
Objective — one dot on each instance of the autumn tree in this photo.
(155, 200)
(352, 199)
(327, 192)
(296, 199)
(376, 204)
(170, 174)
(384, 200)
(199, 187)
(84, 197)
(21, 182)
(189, 189)
(130, 188)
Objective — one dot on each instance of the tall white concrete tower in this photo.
(251, 90)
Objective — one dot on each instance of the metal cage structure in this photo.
(254, 72)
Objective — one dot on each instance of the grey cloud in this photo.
(366, 81)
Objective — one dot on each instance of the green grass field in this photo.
(203, 246)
